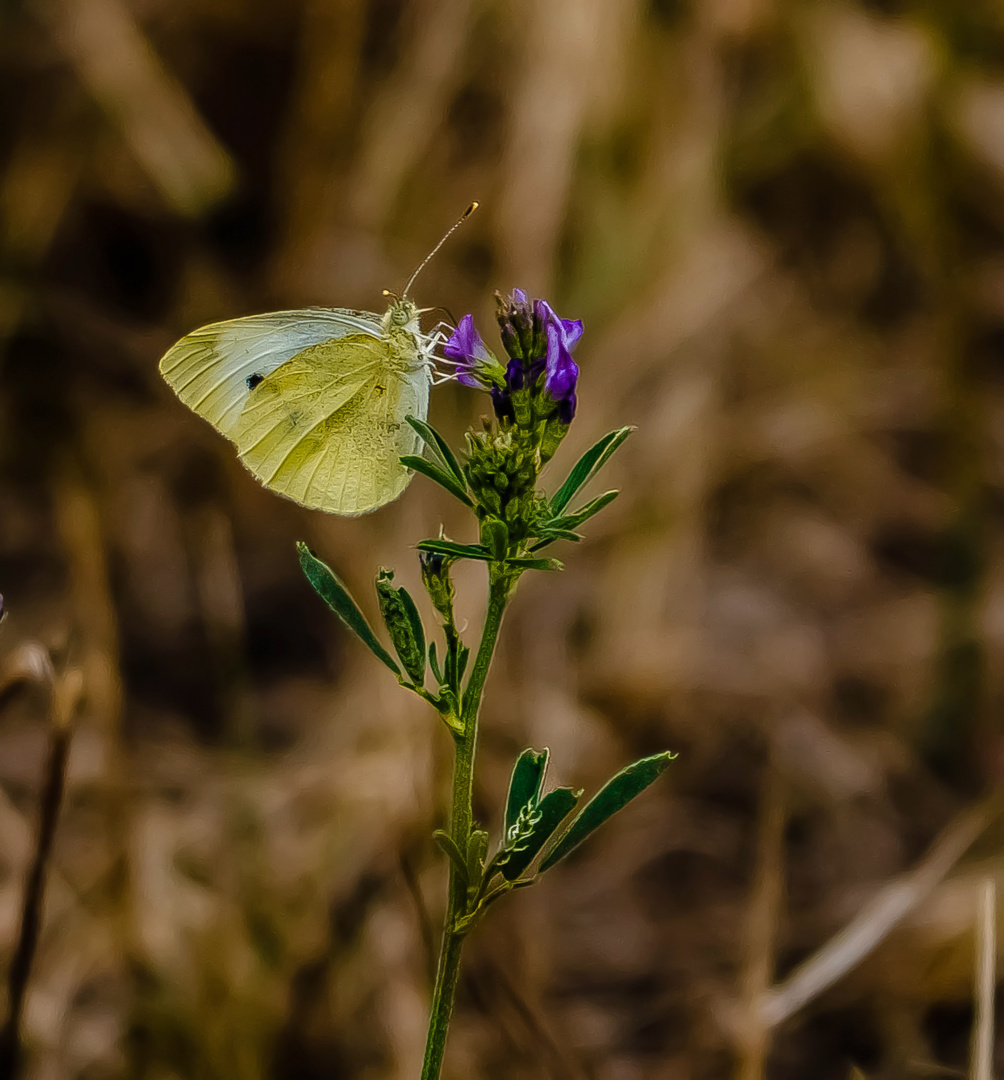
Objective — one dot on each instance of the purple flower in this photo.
(476, 367)
(544, 316)
(561, 372)
(541, 372)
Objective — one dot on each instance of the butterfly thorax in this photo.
(405, 340)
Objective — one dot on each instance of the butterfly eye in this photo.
(253, 380)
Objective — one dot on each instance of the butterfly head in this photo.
(401, 315)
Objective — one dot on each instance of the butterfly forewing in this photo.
(209, 369)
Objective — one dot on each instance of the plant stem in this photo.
(448, 972)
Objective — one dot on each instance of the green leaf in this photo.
(440, 447)
(330, 589)
(440, 476)
(555, 806)
(449, 846)
(594, 506)
(525, 783)
(587, 466)
(462, 657)
(417, 629)
(456, 551)
(613, 796)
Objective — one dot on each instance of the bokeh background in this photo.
(783, 224)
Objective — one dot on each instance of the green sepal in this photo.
(525, 783)
(587, 466)
(327, 585)
(555, 806)
(438, 475)
(613, 796)
(440, 447)
(456, 551)
(594, 506)
(449, 847)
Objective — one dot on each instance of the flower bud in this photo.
(399, 625)
(475, 366)
(438, 583)
(516, 324)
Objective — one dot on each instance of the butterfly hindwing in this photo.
(327, 429)
(213, 369)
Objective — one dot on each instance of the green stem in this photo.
(448, 972)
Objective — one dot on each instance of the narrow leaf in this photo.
(434, 663)
(416, 625)
(450, 674)
(554, 808)
(457, 551)
(587, 466)
(550, 535)
(536, 564)
(449, 847)
(462, 657)
(440, 447)
(594, 506)
(525, 783)
(435, 473)
(327, 585)
(617, 793)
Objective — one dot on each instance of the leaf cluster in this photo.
(549, 519)
(540, 829)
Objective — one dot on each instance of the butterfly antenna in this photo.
(446, 311)
(446, 236)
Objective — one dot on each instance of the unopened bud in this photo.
(438, 583)
(399, 625)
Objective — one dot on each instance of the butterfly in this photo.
(315, 400)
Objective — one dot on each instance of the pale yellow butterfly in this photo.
(315, 400)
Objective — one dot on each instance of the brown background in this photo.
(783, 225)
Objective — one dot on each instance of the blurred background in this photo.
(783, 224)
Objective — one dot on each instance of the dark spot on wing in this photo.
(253, 380)
(381, 389)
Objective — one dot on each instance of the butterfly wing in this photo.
(326, 428)
(210, 368)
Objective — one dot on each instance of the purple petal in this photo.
(465, 344)
(572, 332)
(571, 329)
(562, 372)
